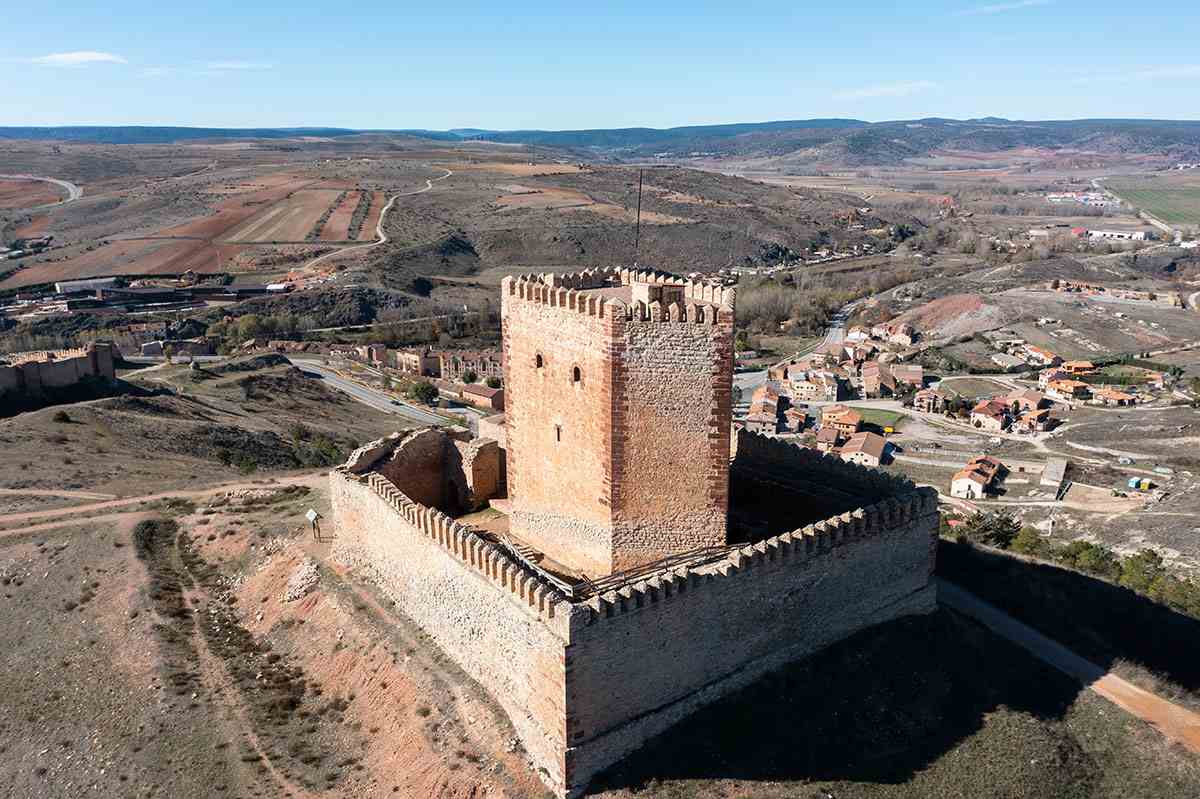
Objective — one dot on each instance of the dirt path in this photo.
(211, 665)
(1176, 723)
(309, 479)
(34, 492)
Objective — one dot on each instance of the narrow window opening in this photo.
(558, 432)
(537, 361)
(576, 375)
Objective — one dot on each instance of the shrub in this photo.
(470, 376)
(423, 391)
(61, 417)
(493, 382)
(149, 533)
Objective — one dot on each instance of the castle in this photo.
(645, 567)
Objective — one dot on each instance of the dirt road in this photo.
(97, 509)
(1176, 723)
(380, 236)
(73, 191)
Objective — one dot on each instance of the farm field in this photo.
(338, 224)
(974, 387)
(1177, 203)
(291, 219)
(28, 193)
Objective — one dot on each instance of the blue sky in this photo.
(569, 65)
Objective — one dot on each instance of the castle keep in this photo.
(644, 569)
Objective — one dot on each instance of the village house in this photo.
(903, 335)
(794, 419)
(909, 374)
(1035, 421)
(1027, 400)
(929, 401)
(482, 396)
(828, 439)
(824, 386)
(1078, 367)
(1047, 375)
(845, 420)
(991, 415)
(858, 334)
(763, 417)
(877, 380)
(1038, 356)
(418, 362)
(865, 449)
(1068, 390)
(1111, 396)
(977, 478)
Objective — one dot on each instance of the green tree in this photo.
(997, 529)
(424, 392)
(1141, 570)
(470, 376)
(1029, 542)
(493, 382)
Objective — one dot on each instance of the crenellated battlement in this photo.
(775, 454)
(485, 557)
(806, 543)
(667, 298)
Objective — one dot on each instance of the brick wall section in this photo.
(671, 437)
(559, 432)
(587, 458)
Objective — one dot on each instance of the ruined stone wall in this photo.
(673, 395)
(417, 467)
(473, 601)
(558, 431)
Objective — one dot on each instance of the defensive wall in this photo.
(587, 676)
(614, 378)
(33, 373)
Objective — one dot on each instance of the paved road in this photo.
(369, 396)
(73, 191)
(834, 334)
(1175, 722)
(380, 236)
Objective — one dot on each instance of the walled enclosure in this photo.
(616, 379)
(57, 370)
(810, 549)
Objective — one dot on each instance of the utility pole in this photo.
(637, 230)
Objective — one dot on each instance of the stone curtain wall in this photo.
(34, 376)
(686, 639)
(672, 413)
(472, 601)
(559, 432)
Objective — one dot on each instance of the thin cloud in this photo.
(903, 89)
(1174, 71)
(232, 66)
(77, 58)
(1000, 8)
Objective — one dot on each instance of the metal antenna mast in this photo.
(637, 231)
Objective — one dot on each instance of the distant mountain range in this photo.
(845, 142)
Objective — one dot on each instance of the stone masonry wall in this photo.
(686, 641)
(673, 395)
(586, 683)
(558, 432)
(35, 376)
(478, 608)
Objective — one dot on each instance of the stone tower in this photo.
(618, 391)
